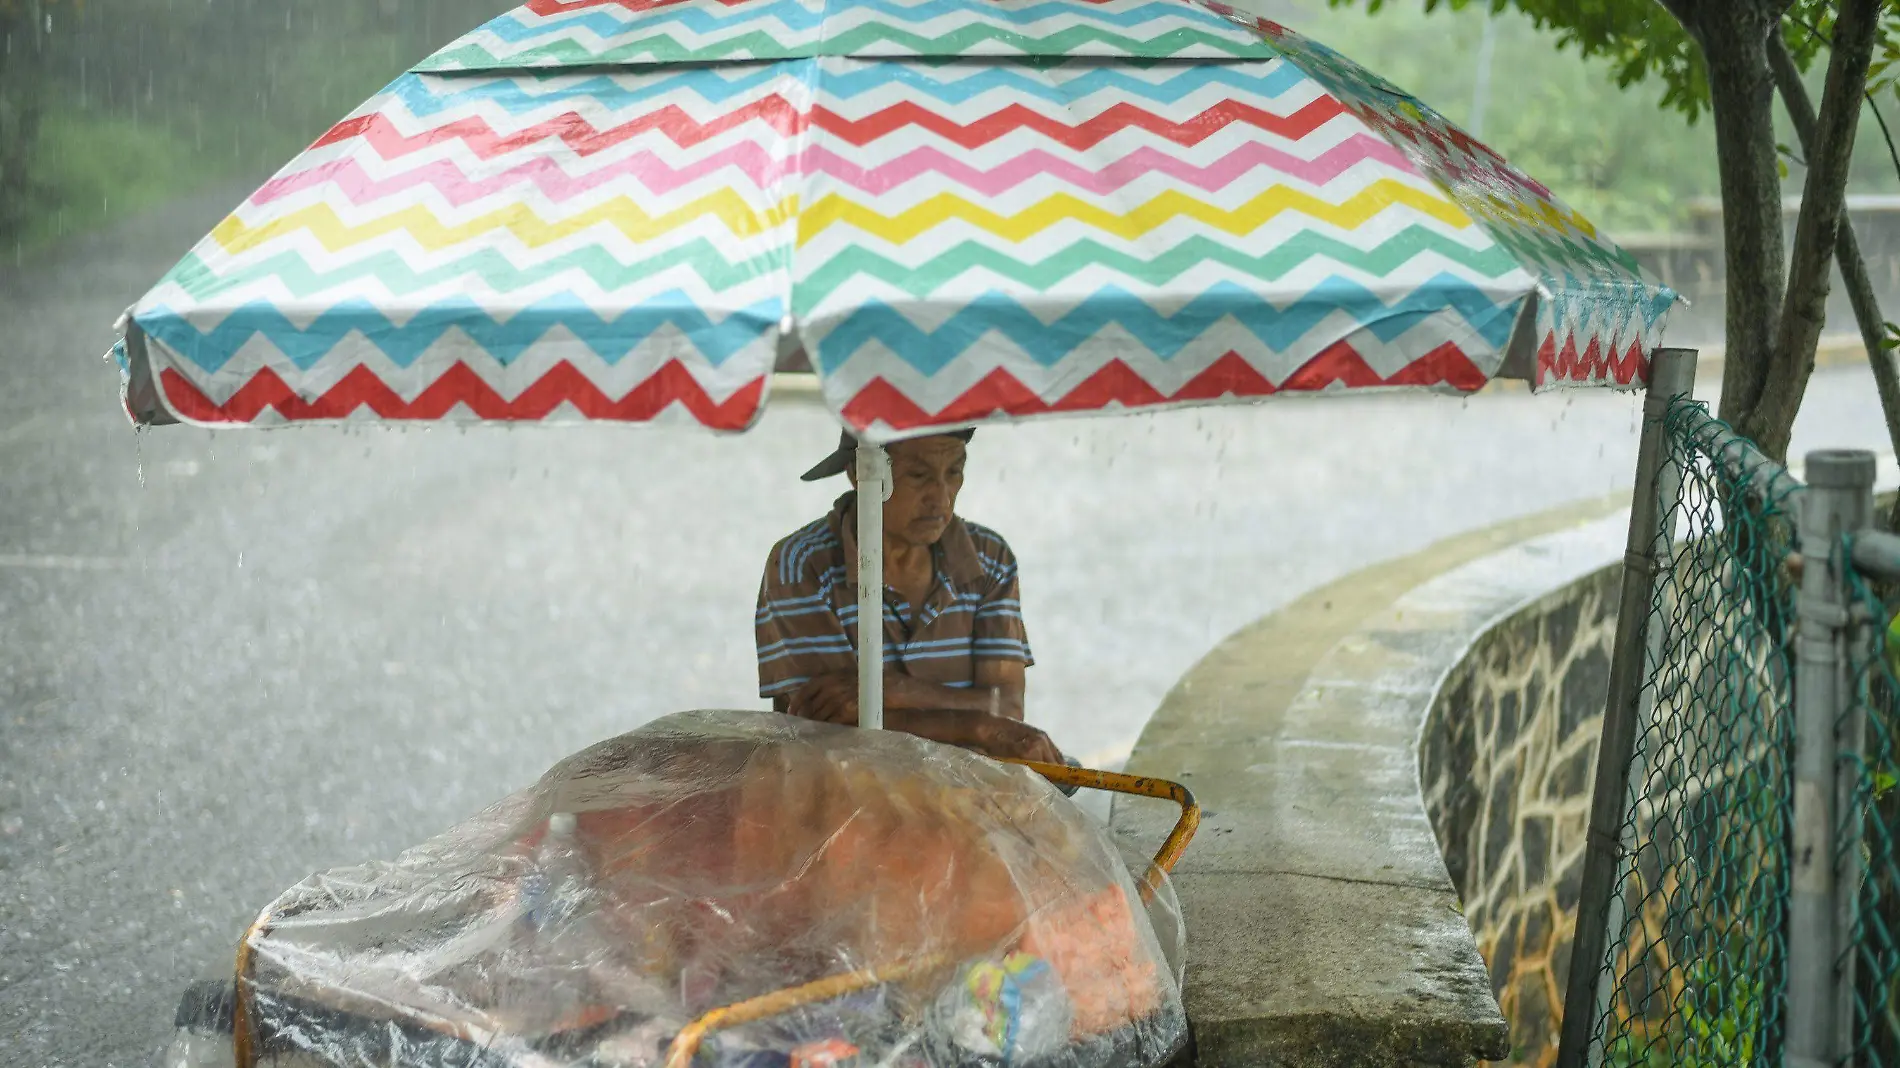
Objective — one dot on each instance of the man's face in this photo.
(926, 474)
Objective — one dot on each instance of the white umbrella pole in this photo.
(874, 487)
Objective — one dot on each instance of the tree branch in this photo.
(1770, 420)
(1885, 134)
(1860, 288)
(1867, 94)
(1686, 12)
(1734, 44)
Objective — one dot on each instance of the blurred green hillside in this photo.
(108, 106)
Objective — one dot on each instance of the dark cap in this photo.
(840, 461)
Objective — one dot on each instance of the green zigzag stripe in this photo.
(1039, 275)
(1545, 248)
(290, 270)
(293, 272)
(663, 48)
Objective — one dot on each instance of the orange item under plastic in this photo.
(828, 1053)
(1095, 946)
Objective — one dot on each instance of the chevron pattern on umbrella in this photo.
(1125, 204)
(552, 33)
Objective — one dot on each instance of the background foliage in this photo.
(1606, 101)
(108, 106)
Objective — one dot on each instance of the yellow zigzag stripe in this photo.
(1526, 213)
(1534, 212)
(1156, 213)
(421, 225)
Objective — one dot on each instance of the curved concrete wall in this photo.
(1324, 925)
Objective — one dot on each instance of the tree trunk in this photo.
(1770, 420)
(1860, 288)
(1734, 41)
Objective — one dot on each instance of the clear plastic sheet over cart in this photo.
(743, 889)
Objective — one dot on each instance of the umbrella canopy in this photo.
(958, 210)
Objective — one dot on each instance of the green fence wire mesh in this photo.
(1871, 824)
(1696, 967)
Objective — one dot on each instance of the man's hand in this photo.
(833, 698)
(999, 736)
(829, 698)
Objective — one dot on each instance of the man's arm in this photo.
(999, 692)
(833, 698)
(1001, 644)
(995, 692)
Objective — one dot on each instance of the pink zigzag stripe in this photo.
(762, 168)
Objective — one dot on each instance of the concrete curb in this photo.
(1324, 929)
(1835, 350)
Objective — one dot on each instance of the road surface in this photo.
(228, 660)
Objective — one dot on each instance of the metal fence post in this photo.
(1672, 375)
(1825, 879)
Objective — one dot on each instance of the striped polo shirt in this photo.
(807, 621)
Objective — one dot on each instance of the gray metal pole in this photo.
(1652, 502)
(874, 487)
(1821, 902)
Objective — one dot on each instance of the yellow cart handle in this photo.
(686, 1044)
(1177, 840)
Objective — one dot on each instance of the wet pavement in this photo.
(227, 660)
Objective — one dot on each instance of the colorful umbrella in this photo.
(958, 211)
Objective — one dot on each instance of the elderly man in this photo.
(954, 646)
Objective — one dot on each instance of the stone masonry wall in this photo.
(1507, 757)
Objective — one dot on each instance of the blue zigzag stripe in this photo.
(1164, 335)
(797, 16)
(611, 338)
(426, 96)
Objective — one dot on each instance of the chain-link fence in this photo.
(1871, 820)
(1696, 956)
(1746, 831)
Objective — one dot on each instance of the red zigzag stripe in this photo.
(579, 134)
(684, 130)
(360, 388)
(1000, 393)
(1567, 365)
(1310, 117)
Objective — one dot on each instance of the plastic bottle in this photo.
(557, 887)
(553, 980)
